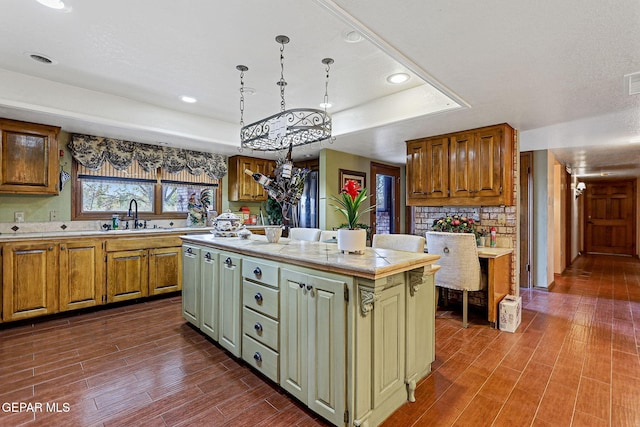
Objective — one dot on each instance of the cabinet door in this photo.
(293, 334)
(165, 270)
(209, 304)
(230, 287)
(82, 279)
(28, 158)
(437, 167)
(488, 162)
(416, 170)
(326, 353)
(264, 167)
(127, 275)
(191, 284)
(462, 158)
(30, 280)
(313, 342)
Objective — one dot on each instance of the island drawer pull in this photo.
(257, 357)
(228, 261)
(309, 287)
(258, 327)
(208, 256)
(301, 285)
(257, 271)
(258, 297)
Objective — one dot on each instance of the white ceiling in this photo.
(553, 70)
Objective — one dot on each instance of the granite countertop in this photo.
(9, 237)
(375, 263)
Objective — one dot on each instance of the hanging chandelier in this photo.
(288, 128)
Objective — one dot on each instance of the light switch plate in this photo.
(18, 216)
(53, 215)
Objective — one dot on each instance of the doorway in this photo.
(610, 219)
(385, 218)
(526, 217)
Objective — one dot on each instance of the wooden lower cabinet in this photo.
(165, 270)
(127, 275)
(313, 342)
(81, 274)
(29, 280)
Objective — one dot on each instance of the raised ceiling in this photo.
(555, 71)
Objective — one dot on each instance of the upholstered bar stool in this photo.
(300, 233)
(459, 264)
(399, 242)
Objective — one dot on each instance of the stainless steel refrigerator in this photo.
(307, 209)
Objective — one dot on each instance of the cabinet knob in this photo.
(257, 272)
(309, 287)
(228, 262)
(258, 297)
(301, 285)
(189, 250)
(50, 248)
(257, 357)
(62, 248)
(208, 256)
(258, 327)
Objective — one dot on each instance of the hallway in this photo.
(573, 362)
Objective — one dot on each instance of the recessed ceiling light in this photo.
(188, 99)
(41, 58)
(249, 91)
(352, 36)
(326, 105)
(398, 78)
(55, 4)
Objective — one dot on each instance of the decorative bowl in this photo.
(227, 222)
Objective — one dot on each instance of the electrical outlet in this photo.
(502, 219)
(18, 216)
(53, 215)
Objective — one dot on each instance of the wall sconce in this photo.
(580, 187)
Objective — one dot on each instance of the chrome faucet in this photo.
(135, 215)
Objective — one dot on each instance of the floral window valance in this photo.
(92, 151)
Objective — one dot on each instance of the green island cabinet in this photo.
(349, 336)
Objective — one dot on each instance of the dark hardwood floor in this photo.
(572, 362)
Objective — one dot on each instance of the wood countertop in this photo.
(375, 263)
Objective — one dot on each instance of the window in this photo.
(98, 194)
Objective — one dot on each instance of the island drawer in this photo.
(261, 328)
(260, 298)
(261, 358)
(260, 271)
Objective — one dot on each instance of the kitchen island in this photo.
(348, 335)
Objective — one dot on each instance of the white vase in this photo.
(352, 241)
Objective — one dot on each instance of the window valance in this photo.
(92, 151)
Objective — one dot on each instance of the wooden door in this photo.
(487, 165)
(437, 175)
(127, 275)
(385, 194)
(165, 270)
(30, 280)
(610, 217)
(461, 160)
(82, 281)
(28, 158)
(526, 204)
(416, 170)
(230, 287)
(191, 284)
(326, 351)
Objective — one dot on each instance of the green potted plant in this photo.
(352, 238)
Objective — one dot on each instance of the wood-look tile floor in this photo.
(572, 362)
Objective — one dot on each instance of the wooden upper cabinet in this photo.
(427, 168)
(28, 158)
(242, 187)
(469, 168)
